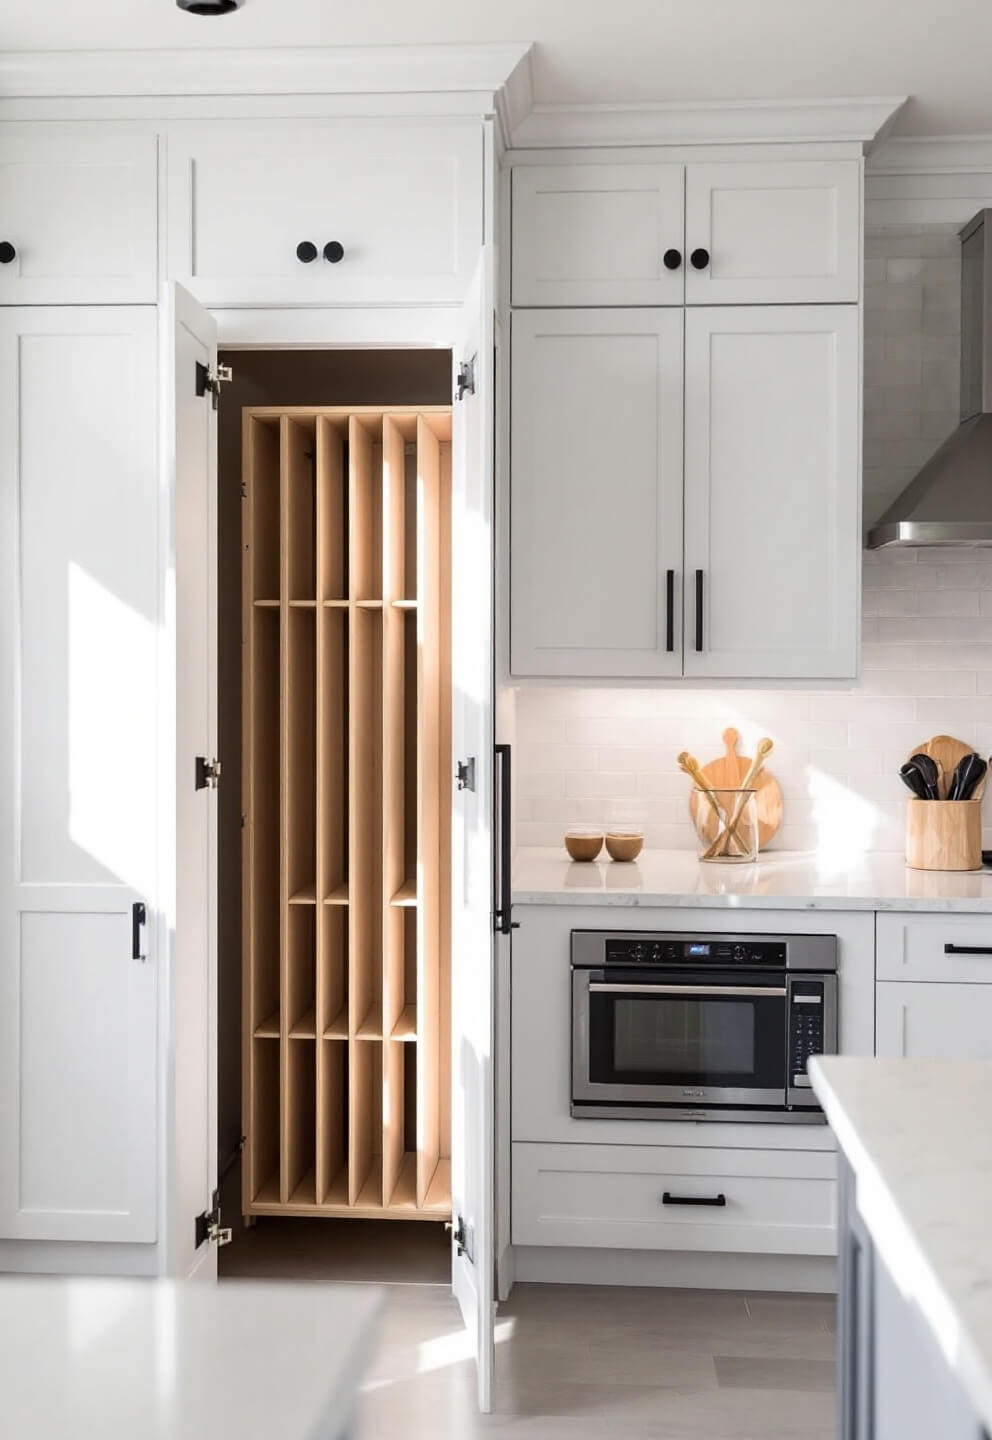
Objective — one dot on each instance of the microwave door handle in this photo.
(702, 991)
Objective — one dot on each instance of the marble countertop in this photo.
(918, 1137)
(780, 880)
(165, 1360)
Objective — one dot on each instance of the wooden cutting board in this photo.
(727, 772)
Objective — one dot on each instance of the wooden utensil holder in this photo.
(944, 834)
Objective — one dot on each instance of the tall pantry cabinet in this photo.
(686, 418)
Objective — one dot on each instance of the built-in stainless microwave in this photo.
(679, 1026)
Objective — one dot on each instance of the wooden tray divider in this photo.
(428, 701)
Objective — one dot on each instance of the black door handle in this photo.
(502, 898)
(306, 251)
(699, 259)
(139, 916)
(672, 259)
(716, 1201)
(950, 949)
(333, 251)
(7, 252)
(699, 609)
(670, 610)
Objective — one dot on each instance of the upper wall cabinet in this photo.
(760, 233)
(596, 522)
(324, 212)
(598, 234)
(773, 232)
(78, 216)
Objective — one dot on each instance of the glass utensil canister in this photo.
(727, 826)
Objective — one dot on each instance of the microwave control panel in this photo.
(806, 1006)
(692, 950)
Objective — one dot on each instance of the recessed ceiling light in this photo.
(209, 7)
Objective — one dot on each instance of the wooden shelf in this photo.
(346, 747)
(338, 1028)
(407, 893)
(406, 1026)
(306, 1027)
(371, 1026)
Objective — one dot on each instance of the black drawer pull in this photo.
(717, 1201)
(699, 609)
(333, 252)
(950, 949)
(306, 252)
(670, 610)
(672, 259)
(7, 252)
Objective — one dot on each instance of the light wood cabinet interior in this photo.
(346, 995)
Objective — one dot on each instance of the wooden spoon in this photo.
(690, 765)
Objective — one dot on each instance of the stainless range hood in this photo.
(950, 501)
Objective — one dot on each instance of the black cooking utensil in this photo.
(968, 775)
(929, 773)
(913, 780)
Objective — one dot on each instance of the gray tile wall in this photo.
(599, 755)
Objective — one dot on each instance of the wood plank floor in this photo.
(573, 1362)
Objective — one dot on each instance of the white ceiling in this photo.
(936, 51)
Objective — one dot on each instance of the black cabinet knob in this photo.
(699, 259)
(7, 252)
(333, 251)
(672, 259)
(306, 251)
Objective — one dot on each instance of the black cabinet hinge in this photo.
(465, 381)
(208, 1226)
(207, 773)
(209, 383)
(463, 1237)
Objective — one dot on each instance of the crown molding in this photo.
(353, 70)
(932, 155)
(743, 122)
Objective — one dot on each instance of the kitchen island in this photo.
(915, 1250)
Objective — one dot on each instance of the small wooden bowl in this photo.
(624, 844)
(584, 845)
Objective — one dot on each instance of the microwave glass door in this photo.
(677, 1033)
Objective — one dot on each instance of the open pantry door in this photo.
(189, 369)
(472, 938)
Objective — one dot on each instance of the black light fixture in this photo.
(209, 7)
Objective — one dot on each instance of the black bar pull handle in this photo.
(950, 949)
(139, 917)
(669, 610)
(699, 609)
(719, 1201)
(502, 899)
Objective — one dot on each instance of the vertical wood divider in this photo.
(393, 858)
(428, 805)
(284, 839)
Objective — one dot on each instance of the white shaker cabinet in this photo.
(933, 1022)
(772, 511)
(773, 232)
(598, 234)
(79, 622)
(596, 506)
(324, 212)
(78, 215)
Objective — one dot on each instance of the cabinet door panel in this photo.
(80, 209)
(596, 500)
(772, 491)
(776, 233)
(597, 234)
(79, 621)
(403, 200)
(933, 1021)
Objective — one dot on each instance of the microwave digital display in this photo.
(694, 948)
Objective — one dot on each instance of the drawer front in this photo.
(774, 233)
(404, 203)
(597, 234)
(80, 209)
(916, 948)
(933, 1022)
(613, 1196)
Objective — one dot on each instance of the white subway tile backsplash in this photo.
(597, 755)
